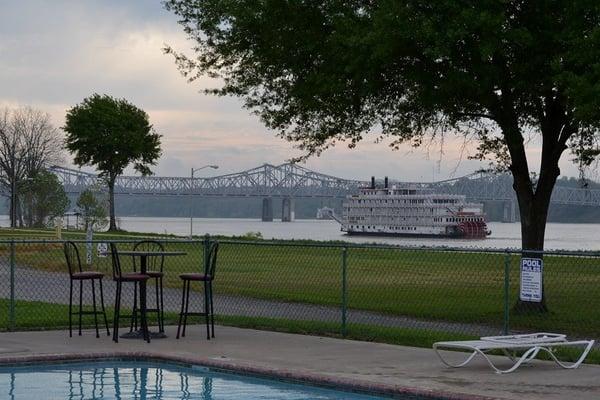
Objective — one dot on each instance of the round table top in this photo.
(151, 253)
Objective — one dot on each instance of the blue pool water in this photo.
(145, 381)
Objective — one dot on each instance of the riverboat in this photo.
(411, 210)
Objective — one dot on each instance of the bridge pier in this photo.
(509, 211)
(287, 209)
(267, 209)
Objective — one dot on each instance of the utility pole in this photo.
(13, 192)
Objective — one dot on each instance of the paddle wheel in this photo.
(473, 228)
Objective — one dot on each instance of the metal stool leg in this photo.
(103, 309)
(80, 304)
(162, 306)
(117, 309)
(187, 304)
(206, 310)
(157, 294)
(70, 308)
(182, 310)
(134, 324)
(94, 307)
(144, 313)
(212, 309)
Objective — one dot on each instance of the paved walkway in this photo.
(326, 359)
(53, 287)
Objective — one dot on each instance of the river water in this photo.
(504, 235)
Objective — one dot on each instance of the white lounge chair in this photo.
(531, 344)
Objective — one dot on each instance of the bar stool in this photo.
(119, 277)
(207, 278)
(76, 273)
(155, 265)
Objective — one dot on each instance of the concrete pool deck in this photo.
(325, 360)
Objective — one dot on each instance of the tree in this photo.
(28, 143)
(499, 72)
(92, 207)
(110, 134)
(43, 199)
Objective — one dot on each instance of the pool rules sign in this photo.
(531, 279)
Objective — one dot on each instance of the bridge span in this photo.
(291, 181)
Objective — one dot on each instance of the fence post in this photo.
(206, 251)
(506, 292)
(11, 311)
(344, 290)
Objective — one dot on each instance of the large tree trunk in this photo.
(533, 197)
(111, 203)
(534, 213)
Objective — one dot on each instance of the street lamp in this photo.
(192, 195)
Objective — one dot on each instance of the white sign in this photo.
(102, 249)
(531, 279)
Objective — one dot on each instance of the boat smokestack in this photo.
(386, 182)
(372, 182)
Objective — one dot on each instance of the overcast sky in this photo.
(55, 53)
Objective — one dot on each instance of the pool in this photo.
(150, 380)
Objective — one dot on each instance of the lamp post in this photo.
(192, 195)
(13, 191)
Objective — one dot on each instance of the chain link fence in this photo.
(366, 291)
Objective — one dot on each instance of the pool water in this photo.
(145, 381)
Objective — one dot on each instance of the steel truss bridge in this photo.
(291, 181)
(285, 180)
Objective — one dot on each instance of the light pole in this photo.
(13, 191)
(192, 195)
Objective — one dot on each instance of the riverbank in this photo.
(504, 235)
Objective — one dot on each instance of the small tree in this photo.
(43, 198)
(110, 134)
(91, 204)
(28, 142)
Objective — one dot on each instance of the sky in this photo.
(53, 54)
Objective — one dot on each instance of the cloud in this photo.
(54, 54)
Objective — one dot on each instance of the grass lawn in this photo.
(35, 315)
(438, 285)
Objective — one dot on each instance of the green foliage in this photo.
(43, 199)
(500, 72)
(110, 134)
(251, 235)
(319, 71)
(92, 207)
